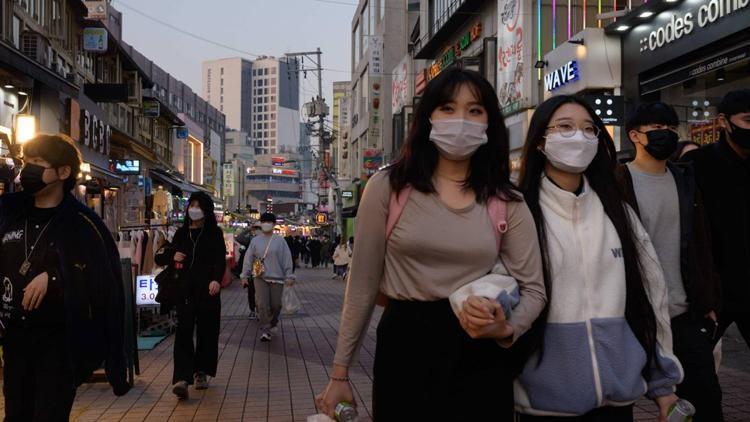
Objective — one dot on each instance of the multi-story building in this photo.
(259, 97)
(227, 85)
(378, 45)
(274, 182)
(81, 79)
(275, 111)
(339, 144)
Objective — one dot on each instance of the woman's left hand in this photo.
(214, 288)
(483, 318)
(664, 403)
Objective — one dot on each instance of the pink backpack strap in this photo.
(396, 206)
(498, 210)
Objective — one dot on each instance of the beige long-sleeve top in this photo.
(433, 250)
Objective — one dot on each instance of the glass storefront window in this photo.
(695, 100)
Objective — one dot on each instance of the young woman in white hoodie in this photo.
(605, 336)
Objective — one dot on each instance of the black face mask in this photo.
(32, 178)
(661, 143)
(740, 136)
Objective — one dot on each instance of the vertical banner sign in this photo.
(372, 160)
(400, 86)
(514, 55)
(228, 179)
(375, 74)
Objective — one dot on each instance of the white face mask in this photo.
(266, 227)
(195, 214)
(458, 139)
(572, 154)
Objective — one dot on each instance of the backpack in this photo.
(496, 207)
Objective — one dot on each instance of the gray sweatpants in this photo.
(268, 301)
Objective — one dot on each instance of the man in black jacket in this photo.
(723, 174)
(666, 199)
(63, 302)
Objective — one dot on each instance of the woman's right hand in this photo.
(179, 256)
(335, 393)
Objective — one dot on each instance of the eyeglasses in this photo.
(567, 130)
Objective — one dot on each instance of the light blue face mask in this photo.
(458, 139)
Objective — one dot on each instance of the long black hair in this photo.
(600, 175)
(489, 173)
(207, 205)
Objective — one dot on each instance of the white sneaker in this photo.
(265, 337)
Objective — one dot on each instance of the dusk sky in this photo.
(262, 27)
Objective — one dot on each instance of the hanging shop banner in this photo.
(151, 108)
(514, 55)
(95, 40)
(400, 85)
(376, 55)
(277, 161)
(97, 10)
(182, 132)
(228, 169)
(372, 160)
(375, 117)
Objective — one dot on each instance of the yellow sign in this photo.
(321, 218)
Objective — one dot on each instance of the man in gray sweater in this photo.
(269, 261)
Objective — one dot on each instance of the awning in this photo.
(175, 183)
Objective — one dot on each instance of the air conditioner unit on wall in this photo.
(35, 47)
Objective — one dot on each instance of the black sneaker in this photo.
(265, 337)
(180, 390)
(253, 316)
(201, 381)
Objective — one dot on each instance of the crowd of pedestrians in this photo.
(612, 281)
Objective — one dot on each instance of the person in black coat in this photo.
(722, 171)
(63, 303)
(196, 260)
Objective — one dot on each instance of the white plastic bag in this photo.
(290, 303)
(320, 418)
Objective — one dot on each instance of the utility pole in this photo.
(319, 109)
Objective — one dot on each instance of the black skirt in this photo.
(428, 368)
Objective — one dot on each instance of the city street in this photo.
(277, 381)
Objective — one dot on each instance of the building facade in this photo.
(378, 43)
(687, 54)
(81, 79)
(227, 86)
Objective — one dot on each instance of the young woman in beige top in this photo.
(428, 364)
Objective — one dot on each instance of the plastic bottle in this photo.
(345, 412)
(681, 411)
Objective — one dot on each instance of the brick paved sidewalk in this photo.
(277, 381)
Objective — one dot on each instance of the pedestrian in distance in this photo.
(268, 263)
(430, 364)
(196, 260)
(63, 303)
(250, 287)
(670, 206)
(606, 334)
(315, 246)
(325, 251)
(722, 171)
(342, 257)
